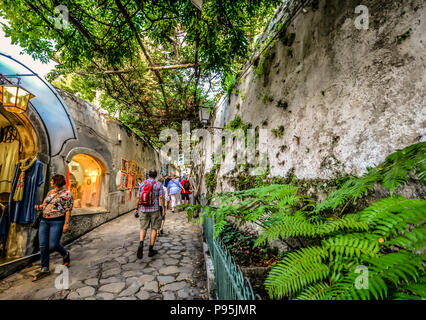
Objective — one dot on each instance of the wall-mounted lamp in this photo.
(119, 138)
(13, 97)
(204, 114)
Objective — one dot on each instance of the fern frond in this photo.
(351, 190)
(416, 289)
(317, 291)
(285, 226)
(421, 169)
(399, 164)
(350, 246)
(413, 209)
(392, 172)
(410, 240)
(347, 222)
(296, 271)
(384, 271)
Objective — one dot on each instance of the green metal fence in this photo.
(230, 283)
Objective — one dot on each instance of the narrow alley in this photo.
(104, 266)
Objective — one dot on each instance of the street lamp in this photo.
(204, 115)
(14, 98)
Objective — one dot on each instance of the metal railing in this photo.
(230, 283)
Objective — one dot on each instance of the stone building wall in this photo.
(345, 98)
(98, 136)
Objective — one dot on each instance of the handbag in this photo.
(36, 223)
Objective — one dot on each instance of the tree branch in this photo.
(171, 67)
(144, 50)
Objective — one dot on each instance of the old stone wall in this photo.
(339, 99)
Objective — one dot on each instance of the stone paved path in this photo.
(104, 266)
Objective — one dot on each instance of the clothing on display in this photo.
(4, 228)
(19, 190)
(9, 149)
(23, 212)
(4, 219)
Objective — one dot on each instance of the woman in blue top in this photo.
(174, 189)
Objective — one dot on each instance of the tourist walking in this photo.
(164, 209)
(55, 219)
(186, 190)
(167, 180)
(150, 198)
(174, 189)
(166, 183)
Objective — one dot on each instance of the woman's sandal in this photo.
(41, 275)
(66, 260)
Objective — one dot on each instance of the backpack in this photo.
(147, 196)
(186, 185)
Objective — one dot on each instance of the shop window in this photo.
(18, 143)
(85, 181)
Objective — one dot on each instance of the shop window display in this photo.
(85, 181)
(21, 174)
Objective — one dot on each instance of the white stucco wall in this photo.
(354, 96)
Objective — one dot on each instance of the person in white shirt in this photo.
(166, 196)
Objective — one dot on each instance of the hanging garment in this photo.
(23, 212)
(19, 190)
(4, 229)
(4, 221)
(10, 150)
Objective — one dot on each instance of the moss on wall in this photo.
(238, 123)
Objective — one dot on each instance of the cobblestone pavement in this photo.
(104, 266)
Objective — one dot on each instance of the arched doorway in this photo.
(86, 181)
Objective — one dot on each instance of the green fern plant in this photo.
(386, 237)
(393, 172)
(390, 234)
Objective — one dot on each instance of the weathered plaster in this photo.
(354, 96)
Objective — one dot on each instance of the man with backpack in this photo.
(186, 187)
(150, 198)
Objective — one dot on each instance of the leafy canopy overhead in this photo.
(152, 62)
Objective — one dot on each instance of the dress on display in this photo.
(23, 212)
(8, 160)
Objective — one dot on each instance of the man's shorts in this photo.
(185, 196)
(150, 219)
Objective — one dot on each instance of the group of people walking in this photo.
(166, 194)
(154, 198)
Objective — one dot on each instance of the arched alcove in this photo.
(87, 181)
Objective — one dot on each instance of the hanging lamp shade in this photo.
(14, 98)
(204, 113)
